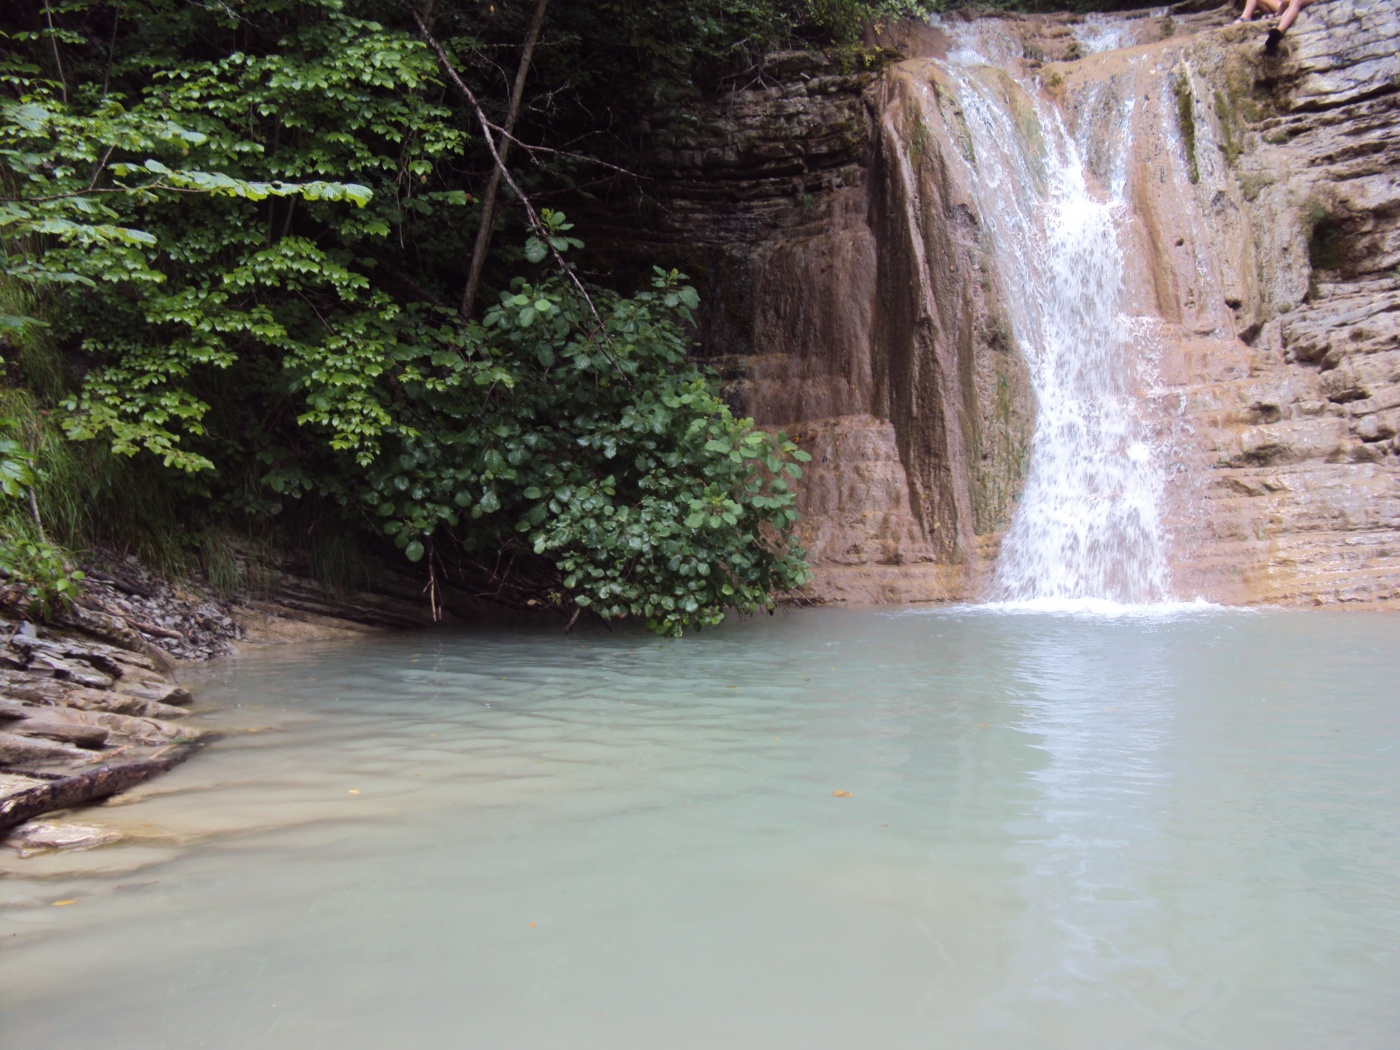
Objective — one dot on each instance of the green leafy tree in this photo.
(245, 225)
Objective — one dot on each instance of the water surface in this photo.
(1173, 830)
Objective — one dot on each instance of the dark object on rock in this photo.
(119, 584)
(159, 632)
(88, 786)
(1273, 39)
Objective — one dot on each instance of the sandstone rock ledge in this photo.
(86, 711)
(90, 706)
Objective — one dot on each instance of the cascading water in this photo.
(1088, 525)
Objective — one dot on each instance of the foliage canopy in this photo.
(238, 227)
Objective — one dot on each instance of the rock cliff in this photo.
(852, 300)
(1294, 392)
(831, 260)
(1266, 192)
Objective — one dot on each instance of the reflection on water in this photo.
(1099, 705)
(1064, 831)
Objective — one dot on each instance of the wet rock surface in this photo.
(41, 835)
(810, 235)
(1265, 248)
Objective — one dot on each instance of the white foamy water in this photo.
(1061, 833)
(1104, 608)
(1088, 525)
(1097, 33)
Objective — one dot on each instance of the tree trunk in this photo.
(488, 199)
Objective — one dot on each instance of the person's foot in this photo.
(1271, 41)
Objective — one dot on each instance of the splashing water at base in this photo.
(1088, 525)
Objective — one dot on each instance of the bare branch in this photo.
(57, 61)
(536, 224)
(571, 155)
(159, 184)
(101, 164)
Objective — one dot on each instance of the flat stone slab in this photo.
(16, 750)
(60, 834)
(89, 784)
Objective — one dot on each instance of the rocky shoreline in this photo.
(86, 710)
(91, 704)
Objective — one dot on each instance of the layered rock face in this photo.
(82, 719)
(853, 298)
(1297, 392)
(832, 258)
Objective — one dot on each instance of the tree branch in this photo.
(571, 155)
(57, 61)
(536, 224)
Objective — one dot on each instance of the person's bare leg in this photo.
(1250, 6)
(1291, 15)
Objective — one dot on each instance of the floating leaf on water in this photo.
(59, 904)
(840, 794)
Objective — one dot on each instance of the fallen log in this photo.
(89, 785)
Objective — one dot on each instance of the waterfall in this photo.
(1088, 525)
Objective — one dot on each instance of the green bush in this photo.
(34, 574)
